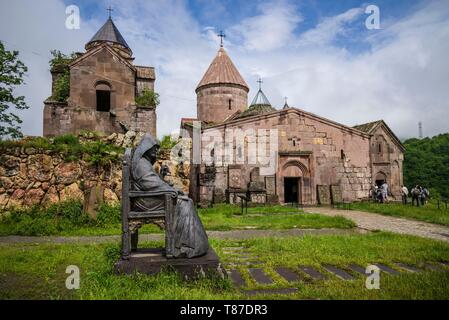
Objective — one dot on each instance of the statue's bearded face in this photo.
(151, 155)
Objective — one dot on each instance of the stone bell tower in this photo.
(222, 91)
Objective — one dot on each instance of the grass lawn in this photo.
(38, 271)
(67, 219)
(428, 213)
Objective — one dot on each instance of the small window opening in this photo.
(230, 104)
(103, 95)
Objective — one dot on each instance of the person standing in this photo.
(404, 195)
(422, 195)
(414, 193)
(426, 195)
(374, 193)
(384, 190)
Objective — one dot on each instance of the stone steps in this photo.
(243, 260)
(295, 275)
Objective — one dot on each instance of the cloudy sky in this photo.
(319, 54)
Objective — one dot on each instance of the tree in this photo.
(12, 71)
(426, 163)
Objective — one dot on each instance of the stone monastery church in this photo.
(104, 83)
(317, 160)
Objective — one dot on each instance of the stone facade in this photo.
(316, 160)
(103, 86)
(387, 158)
(215, 103)
(318, 152)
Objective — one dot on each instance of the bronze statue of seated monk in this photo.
(190, 239)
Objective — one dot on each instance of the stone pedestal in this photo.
(152, 261)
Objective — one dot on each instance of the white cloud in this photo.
(34, 30)
(271, 29)
(403, 79)
(328, 29)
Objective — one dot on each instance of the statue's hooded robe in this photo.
(190, 237)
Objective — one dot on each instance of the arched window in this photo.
(103, 92)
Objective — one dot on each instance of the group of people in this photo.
(380, 193)
(420, 195)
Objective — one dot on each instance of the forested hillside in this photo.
(427, 163)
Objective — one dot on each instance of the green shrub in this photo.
(101, 154)
(147, 98)
(60, 217)
(108, 214)
(37, 143)
(62, 87)
(8, 144)
(61, 59)
(167, 142)
(68, 139)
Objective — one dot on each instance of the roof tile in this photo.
(222, 71)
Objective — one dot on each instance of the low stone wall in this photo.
(30, 176)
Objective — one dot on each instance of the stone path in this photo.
(234, 234)
(372, 221)
(246, 275)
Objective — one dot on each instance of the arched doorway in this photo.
(294, 174)
(380, 178)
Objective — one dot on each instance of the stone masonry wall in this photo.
(213, 102)
(321, 153)
(31, 176)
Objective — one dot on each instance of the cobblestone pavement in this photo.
(373, 221)
(234, 234)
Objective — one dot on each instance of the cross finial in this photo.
(260, 83)
(221, 35)
(110, 11)
(286, 104)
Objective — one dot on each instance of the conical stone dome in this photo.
(222, 71)
(222, 91)
(108, 33)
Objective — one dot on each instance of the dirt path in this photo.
(235, 234)
(372, 221)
